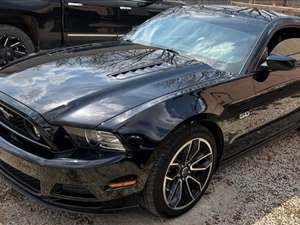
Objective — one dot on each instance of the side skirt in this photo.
(261, 144)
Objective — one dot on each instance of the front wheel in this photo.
(14, 44)
(182, 172)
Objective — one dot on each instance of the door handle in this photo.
(126, 8)
(76, 4)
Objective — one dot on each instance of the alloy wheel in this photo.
(188, 174)
(11, 48)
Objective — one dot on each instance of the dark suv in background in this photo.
(32, 25)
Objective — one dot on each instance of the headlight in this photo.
(103, 139)
(95, 139)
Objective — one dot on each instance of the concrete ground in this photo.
(260, 188)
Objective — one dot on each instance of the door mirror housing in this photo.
(279, 63)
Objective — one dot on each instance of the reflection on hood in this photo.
(58, 78)
(92, 88)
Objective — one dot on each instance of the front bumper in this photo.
(71, 184)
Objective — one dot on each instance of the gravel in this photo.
(261, 187)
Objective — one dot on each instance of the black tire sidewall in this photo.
(168, 150)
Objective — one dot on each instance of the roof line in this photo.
(268, 7)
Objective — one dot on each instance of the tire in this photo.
(155, 197)
(14, 44)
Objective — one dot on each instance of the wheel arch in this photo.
(27, 24)
(212, 123)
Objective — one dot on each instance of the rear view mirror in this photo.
(279, 63)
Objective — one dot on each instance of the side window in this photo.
(289, 47)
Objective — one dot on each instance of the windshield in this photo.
(221, 41)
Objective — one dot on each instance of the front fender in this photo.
(146, 129)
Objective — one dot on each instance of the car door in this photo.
(233, 101)
(90, 21)
(135, 12)
(250, 118)
(277, 103)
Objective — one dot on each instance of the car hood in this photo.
(87, 87)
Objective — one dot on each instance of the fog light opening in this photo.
(122, 182)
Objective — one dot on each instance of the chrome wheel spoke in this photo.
(20, 53)
(198, 147)
(175, 164)
(6, 42)
(189, 189)
(175, 194)
(173, 172)
(202, 157)
(202, 168)
(188, 153)
(15, 44)
(169, 178)
(206, 164)
(196, 181)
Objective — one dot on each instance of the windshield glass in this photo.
(221, 41)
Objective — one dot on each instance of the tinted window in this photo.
(289, 47)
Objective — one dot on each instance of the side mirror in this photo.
(279, 63)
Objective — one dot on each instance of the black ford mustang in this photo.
(148, 119)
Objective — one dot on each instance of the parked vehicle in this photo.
(148, 119)
(28, 26)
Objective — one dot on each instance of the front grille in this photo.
(19, 131)
(29, 182)
(16, 121)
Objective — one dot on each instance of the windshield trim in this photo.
(259, 37)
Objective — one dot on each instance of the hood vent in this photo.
(136, 71)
